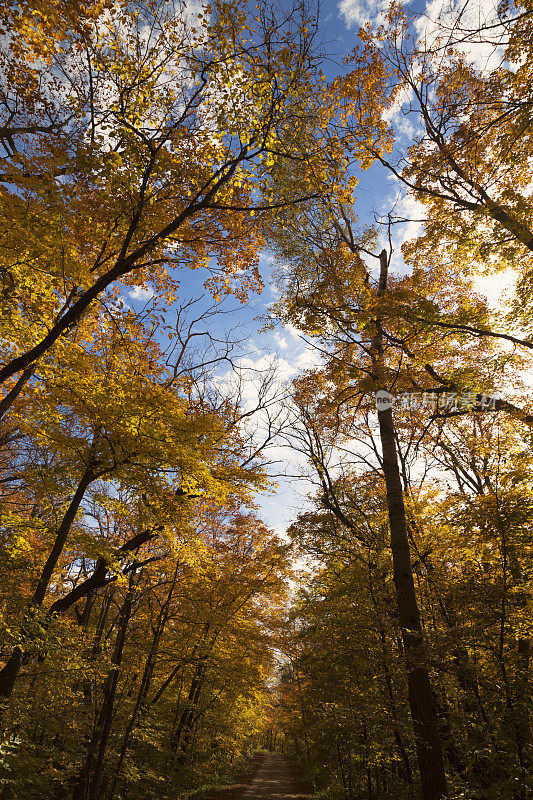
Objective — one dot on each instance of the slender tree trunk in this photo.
(96, 645)
(187, 715)
(341, 769)
(481, 771)
(10, 671)
(303, 716)
(100, 575)
(521, 722)
(88, 785)
(145, 681)
(141, 697)
(368, 769)
(398, 738)
(186, 722)
(520, 732)
(517, 696)
(420, 694)
(421, 700)
(64, 529)
(14, 392)
(481, 738)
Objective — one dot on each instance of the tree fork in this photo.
(10, 671)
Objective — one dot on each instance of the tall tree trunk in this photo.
(96, 645)
(14, 392)
(88, 784)
(140, 703)
(517, 695)
(10, 671)
(181, 735)
(368, 768)
(303, 716)
(63, 531)
(186, 718)
(521, 719)
(398, 738)
(421, 700)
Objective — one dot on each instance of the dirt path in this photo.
(276, 780)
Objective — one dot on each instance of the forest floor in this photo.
(271, 777)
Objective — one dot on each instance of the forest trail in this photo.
(276, 780)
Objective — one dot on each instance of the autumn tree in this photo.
(162, 131)
(473, 621)
(375, 335)
(157, 679)
(117, 420)
(461, 82)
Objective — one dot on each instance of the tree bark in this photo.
(88, 785)
(420, 694)
(181, 735)
(61, 538)
(99, 576)
(10, 671)
(421, 699)
(398, 738)
(12, 395)
(140, 704)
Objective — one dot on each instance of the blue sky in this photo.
(283, 346)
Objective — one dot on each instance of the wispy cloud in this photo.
(359, 12)
(141, 293)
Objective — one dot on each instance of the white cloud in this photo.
(405, 126)
(291, 330)
(141, 293)
(265, 362)
(434, 26)
(410, 214)
(404, 96)
(413, 212)
(309, 358)
(497, 288)
(440, 18)
(359, 12)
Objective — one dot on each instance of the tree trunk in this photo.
(421, 700)
(140, 704)
(88, 785)
(398, 738)
(420, 694)
(10, 671)
(181, 735)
